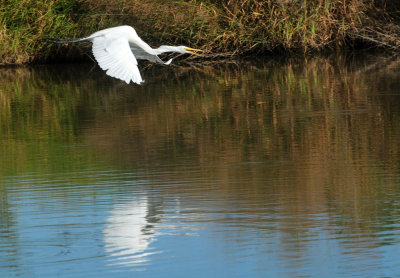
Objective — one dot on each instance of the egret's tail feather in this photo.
(59, 40)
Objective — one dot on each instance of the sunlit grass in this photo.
(25, 24)
(217, 26)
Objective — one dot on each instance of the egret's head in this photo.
(192, 51)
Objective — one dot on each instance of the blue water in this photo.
(214, 172)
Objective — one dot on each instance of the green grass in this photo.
(25, 23)
(218, 26)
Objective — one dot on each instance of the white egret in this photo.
(117, 50)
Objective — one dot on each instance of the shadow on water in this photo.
(297, 147)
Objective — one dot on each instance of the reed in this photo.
(24, 24)
(218, 26)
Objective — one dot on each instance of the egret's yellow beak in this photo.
(193, 51)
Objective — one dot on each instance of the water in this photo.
(262, 168)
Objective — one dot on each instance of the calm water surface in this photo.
(268, 168)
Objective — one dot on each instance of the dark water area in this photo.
(262, 168)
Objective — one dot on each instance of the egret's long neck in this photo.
(167, 48)
(143, 45)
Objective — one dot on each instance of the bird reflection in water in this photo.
(128, 233)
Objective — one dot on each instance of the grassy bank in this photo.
(219, 26)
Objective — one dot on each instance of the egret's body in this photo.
(117, 50)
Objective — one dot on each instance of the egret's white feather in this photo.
(117, 50)
(115, 56)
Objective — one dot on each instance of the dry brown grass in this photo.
(232, 27)
(225, 27)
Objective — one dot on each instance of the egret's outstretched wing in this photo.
(115, 56)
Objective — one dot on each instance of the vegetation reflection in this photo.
(314, 133)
